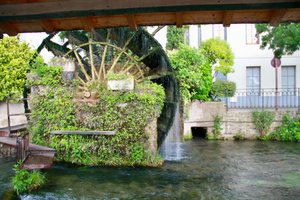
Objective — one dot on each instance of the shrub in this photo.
(216, 132)
(289, 129)
(222, 88)
(14, 64)
(219, 54)
(238, 136)
(262, 121)
(193, 73)
(25, 181)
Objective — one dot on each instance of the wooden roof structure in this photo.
(54, 15)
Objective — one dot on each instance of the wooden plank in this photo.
(227, 18)
(119, 6)
(277, 16)
(132, 22)
(179, 20)
(60, 132)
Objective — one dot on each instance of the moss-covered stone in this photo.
(133, 114)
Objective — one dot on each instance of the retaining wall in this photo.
(233, 120)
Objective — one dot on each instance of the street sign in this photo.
(275, 62)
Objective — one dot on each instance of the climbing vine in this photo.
(126, 112)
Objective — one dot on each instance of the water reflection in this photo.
(210, 170)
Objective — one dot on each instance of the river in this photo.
(209, 170)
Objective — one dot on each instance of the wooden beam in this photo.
(132, 22)
(63, 132)
(277, 16)
(48, 25)
(179, 20)
(88, 23)
(10, 28)
(227, 18)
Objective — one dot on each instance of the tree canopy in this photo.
(175, 37)
(14, 63)
(193, 72)
(219, 54)
(283, 39)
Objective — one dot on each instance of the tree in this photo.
(193, 72)
(219, 54)
(14, 63)
(283, 39)
(175, 37)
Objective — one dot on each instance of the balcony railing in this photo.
(264, 98)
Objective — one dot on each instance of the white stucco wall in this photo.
(245, 55)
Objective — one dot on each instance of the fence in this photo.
(264, 98)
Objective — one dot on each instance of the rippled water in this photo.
(209, 170)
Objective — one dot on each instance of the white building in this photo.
(252, 65)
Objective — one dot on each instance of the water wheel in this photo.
(95, 61)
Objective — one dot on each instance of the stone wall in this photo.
(7, 151)
(233, 120)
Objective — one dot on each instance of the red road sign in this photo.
(276, 62)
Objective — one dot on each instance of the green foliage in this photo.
(117, 76)
(51, 110)
(14, 63)
(288, 131)
(126, 112)
(175, 37)
(193, 73)
(222, 88)
(136, 152)
(25, 181)
(188, 136)
(283, 39)
(262, 121)
(47, 75)
(218, 53)
(217, 126)
(239, 136)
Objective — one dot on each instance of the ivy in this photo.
(126, 112)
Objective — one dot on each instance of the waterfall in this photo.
(171, 148)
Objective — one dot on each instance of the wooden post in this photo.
(8, 116)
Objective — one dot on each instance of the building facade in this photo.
(253, 74)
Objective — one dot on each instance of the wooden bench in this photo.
(60, 132)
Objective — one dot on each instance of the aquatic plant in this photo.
(26, 181)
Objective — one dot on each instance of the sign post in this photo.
(275, 62)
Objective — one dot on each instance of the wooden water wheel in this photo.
(96, 60)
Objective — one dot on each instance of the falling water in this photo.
(171, 148)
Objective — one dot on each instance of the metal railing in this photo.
(264, 98)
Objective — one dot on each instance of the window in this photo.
(288, 77)
(253, 78)
(218, 31)
(251, 34)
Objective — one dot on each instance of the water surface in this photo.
(209, 170)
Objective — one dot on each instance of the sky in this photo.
(34, 40)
